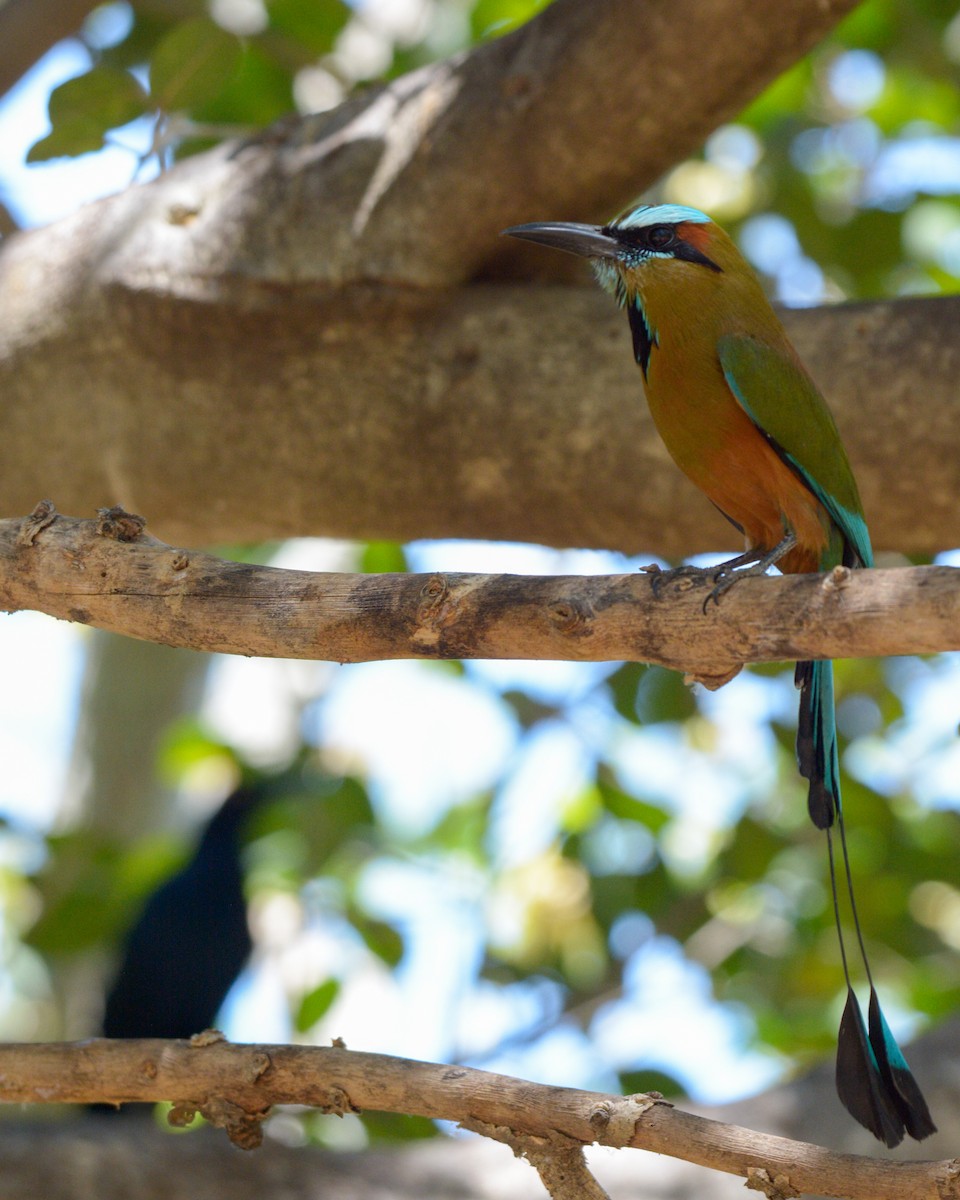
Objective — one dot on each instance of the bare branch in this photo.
(110, 574)
(236, 1085)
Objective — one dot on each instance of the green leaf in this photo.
(491, 18)
(397, 1127)
(385, 942)
(342, 818)
(624, 684)
(87, 107)
(78, 921)
(635, 1082)
(186, 744)
(530, 711)
(316, 1004)
(378, 558)
(192, 64)
(751, 850)
(622, 804)
(259, 91)
(147, 29)
(663, 696)
(313, 23)
(583, 810)
(92, 890)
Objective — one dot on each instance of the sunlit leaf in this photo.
(92, 891)
(192, 64)
(491, 18)
(380, 557)
(186, 744)
(634, 1082)
(84, 109)
(398, 1127)
(463, 828)
(316, 1004)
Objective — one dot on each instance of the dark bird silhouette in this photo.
(191, 939)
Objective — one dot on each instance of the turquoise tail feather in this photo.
(901, 1086)
(873, 1080)
(817, 741)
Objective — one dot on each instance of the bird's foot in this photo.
(688, 576)
(723, 575)
(726, 575)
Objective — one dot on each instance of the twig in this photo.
(236, 1085)
(558, 1160)
(111, 574)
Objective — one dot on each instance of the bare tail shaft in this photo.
(873, 1080)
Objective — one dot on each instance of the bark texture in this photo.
(86, 1158)
(508, 412)
(234, 1086)
(112, 575)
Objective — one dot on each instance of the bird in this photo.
(191, 940)
(742, 418)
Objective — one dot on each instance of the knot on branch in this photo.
(118, 524)
(43, 515)
(149, 1069)
(206, 1037)
(522, 1142)
(837, 579)
(712, 680)
(435, 607)
(775, 1187)
(337, 1103)
(557, 1159)
(948, 1179)
(572, 616)
(614, 1122)
(259, 1066)
(243, 1128)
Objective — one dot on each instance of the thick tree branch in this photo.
(234, 1086)
(29, 28)
(110, 574)
(578, 110)
(499, 412)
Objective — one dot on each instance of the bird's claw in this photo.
(720, 579)
(690, 575)
(723, 581)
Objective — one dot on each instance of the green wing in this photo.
(783, 402)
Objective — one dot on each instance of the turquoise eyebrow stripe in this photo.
(660, 214)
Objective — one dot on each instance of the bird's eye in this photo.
(661, 237)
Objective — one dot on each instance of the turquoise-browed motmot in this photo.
(743, 419)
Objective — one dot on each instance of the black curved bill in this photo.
(589, 241)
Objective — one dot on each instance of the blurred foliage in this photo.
(809, 180)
